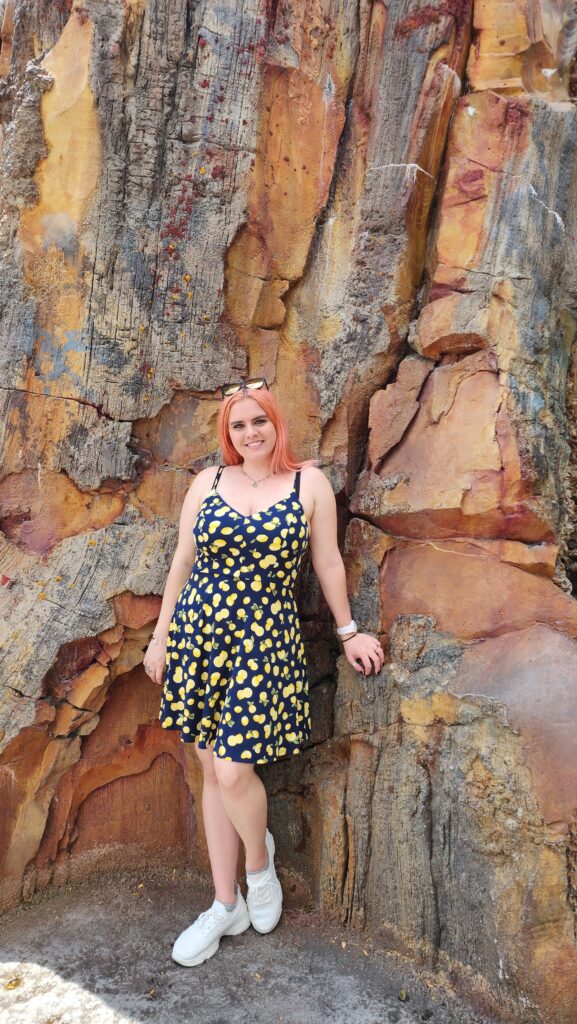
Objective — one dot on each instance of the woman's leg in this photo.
(221, 835)
(244, 800)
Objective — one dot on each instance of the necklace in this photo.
(254, 482)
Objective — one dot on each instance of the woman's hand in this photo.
(155, 659)
(364, 653)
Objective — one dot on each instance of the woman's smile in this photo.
(248, 417)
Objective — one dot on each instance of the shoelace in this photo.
(208, 919)
(262, 893)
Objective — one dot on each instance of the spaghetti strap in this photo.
(297, 482)
(217, 477)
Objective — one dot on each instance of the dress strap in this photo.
(297, 482)
(217, 477)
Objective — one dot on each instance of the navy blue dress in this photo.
(235, 669)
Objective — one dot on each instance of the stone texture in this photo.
(393, 409)
(458, 469)
(189, 192)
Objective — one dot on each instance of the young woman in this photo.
(229, 646)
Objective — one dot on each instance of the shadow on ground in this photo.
(100, 954)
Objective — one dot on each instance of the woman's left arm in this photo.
(362, 650)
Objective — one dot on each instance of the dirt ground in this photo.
(99, 953)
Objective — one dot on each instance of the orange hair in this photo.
(283, 458)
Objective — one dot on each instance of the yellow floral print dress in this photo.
(235, 669)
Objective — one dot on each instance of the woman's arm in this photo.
(180, 569)
(363, 651)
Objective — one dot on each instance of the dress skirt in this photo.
(235, 670)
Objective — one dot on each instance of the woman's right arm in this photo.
(180, 569)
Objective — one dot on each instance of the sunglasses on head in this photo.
(243, 385)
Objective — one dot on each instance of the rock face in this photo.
(373, 206)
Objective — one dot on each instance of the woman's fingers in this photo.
(366, 663)
(368, 656)
(154, 672)
(376, 665)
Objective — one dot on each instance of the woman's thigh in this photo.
(206, 758)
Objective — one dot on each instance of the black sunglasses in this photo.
(243, 385)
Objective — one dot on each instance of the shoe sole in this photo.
(206, 954)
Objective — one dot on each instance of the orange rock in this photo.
(109, 652)
(533, 672)
(468, 592)
(31, 767)
(40, 509)
(457, 470)
(505, 122)
(181, 433)
(84, 689)
(270, 310)
(50, 234)
(6, 37)
(81, 698)
(161, 492)
(452, 324)
(540, 559)
(487, 130)
(136, 610)
(126, 742)
(112, 635)
(392, 410)
(514, 51)
(300, 131)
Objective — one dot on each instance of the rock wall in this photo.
(374, 206)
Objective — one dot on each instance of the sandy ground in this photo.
(99, 953)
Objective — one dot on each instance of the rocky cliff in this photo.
(374, 205)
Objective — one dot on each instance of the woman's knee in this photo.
(231, 774)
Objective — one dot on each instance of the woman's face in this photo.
(251, 432)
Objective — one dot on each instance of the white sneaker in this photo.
(201, 940)
(264, 897)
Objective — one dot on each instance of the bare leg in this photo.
(244, 799)
(221, 836)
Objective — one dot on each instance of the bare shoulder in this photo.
(198, 490)
(203, 481)
(315, 480)
(318, 495)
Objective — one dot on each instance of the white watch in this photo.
(345, 630)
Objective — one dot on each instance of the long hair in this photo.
(283, 458)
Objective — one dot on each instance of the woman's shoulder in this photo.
(312, 471)
(315, 478)
(208, 473)
(204, 480)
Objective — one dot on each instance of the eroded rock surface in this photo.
(373, 205)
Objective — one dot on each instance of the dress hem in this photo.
(236, 760)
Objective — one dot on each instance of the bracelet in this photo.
(351, 627)
(345, 638)
(158, 639)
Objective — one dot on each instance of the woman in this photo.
(228, 643)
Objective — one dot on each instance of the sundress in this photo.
(235, 671)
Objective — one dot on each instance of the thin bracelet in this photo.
(345, 638)
(159, 639)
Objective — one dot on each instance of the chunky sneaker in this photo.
(201, 940)
(264, 897)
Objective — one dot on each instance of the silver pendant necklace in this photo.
(254, 482)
